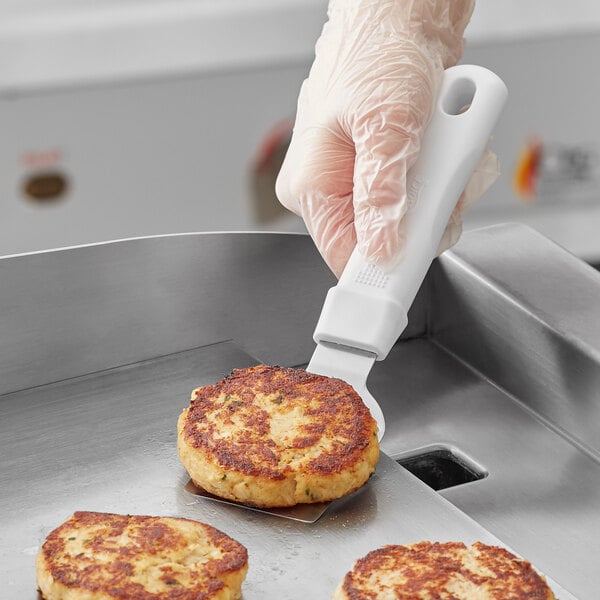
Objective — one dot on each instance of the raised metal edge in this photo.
(525, 313)
(73, 311)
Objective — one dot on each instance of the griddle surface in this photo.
(107, 442)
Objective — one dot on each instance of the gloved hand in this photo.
(361, 115)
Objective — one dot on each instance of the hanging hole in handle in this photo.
(459, 97)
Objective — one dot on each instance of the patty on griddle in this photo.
(103, 556)
(442, 571)
(273, 437)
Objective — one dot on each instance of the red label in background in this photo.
(41, 159)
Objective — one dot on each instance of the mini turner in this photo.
(365, 313)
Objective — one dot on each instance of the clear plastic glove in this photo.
(361, 116)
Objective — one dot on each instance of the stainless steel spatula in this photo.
(365, 313)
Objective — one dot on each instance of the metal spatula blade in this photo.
(365, 313)
(352, 366)
(306, 513)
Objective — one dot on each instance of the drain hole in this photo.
(441, 468)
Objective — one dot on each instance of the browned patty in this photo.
(443, 571)
(103, 556)
(273, 436)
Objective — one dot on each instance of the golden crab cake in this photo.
(443, 571)
(102, 556)
(274, 437)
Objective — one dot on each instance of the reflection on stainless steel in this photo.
(127, 330)
(81, 310)
(527, 315)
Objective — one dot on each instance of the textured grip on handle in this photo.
(367, 308)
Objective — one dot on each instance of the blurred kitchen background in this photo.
(126, 118)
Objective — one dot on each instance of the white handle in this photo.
(368, 307)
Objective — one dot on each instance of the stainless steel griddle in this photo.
(499, 367)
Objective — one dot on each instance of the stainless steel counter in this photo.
(102, 346)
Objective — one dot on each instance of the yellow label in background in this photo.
(526, 173)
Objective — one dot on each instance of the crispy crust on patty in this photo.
(272, 437)
(443, 571)
(103, 556)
